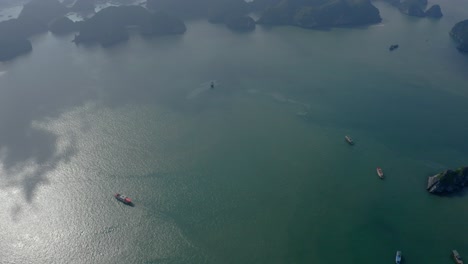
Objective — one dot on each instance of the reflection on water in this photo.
(236, 177)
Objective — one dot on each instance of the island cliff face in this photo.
(316, 13)
(434, 11)
(448, 181)
(459, 32)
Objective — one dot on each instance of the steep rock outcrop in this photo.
(13, 46)
(434, 11)
(416, 8)
(448, 181)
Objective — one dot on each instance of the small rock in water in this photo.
(448, 181)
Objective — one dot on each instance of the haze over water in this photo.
(234, 174)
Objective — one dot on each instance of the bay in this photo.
(233, 174)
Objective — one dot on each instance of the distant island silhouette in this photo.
(33, 19)
(110, 25)
(459, 32)
(417, 8)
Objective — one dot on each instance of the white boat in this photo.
(380, 173)
(456, 257)
(398, 257)
(349, 140)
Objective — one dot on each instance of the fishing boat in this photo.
(349, 140)
(456, 257)
(380, 172)
(124, 199)
(398, 257)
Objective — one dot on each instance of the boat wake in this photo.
(202, 88)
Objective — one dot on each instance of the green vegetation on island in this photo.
(448, 181)
(434, 11)
(109, 26)
(459, 32)
(321, 13)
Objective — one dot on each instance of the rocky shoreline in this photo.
(449, 181)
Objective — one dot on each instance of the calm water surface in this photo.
(233, 174)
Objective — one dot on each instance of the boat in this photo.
(212, 85)
(398, 257)
(124, 199)
(393, 47)
(349, 140)
(380, 172)
(456, 257)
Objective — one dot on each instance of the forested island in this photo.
(160, 17)
(33, 19)
(302, 13)
(417, 8)
(109, 26)
(459, 32)
(317, 14)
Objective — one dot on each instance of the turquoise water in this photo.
(233, 174)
